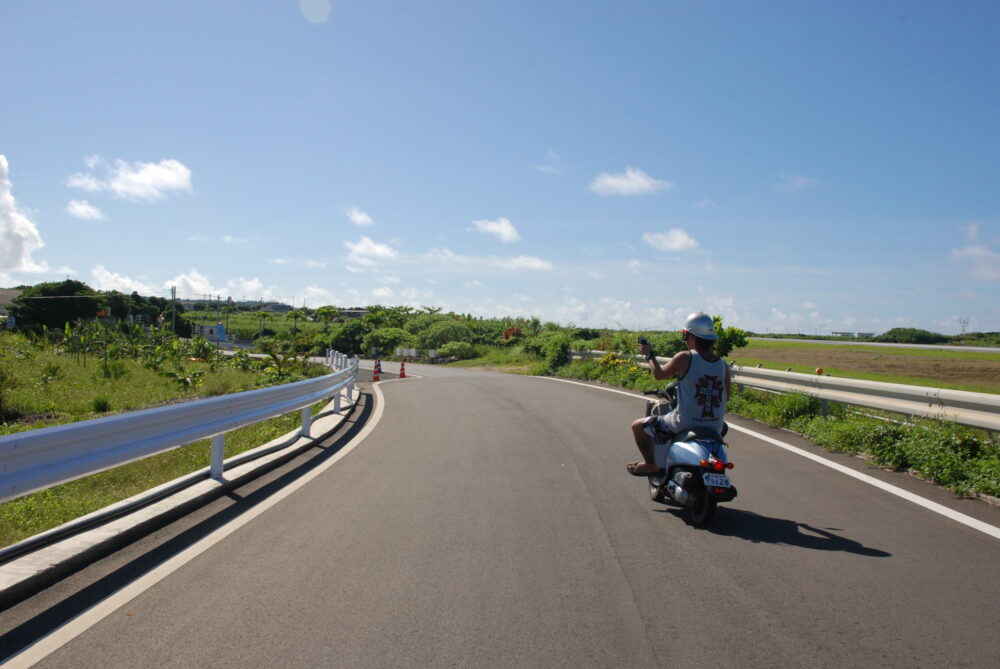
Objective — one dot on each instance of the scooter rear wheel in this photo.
(702, 508)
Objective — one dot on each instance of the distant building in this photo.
(275, 308)
(215, 332)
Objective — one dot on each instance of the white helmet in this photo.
(701, 326)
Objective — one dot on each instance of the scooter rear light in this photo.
(720, 491)
(704, 463)
(718, 465)
(729, 465)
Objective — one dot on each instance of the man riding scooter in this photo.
(703, 390)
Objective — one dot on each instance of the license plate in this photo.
(717, 480)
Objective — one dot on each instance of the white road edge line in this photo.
(80, 624)
(969, 521)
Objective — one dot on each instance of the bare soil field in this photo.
(979, 375)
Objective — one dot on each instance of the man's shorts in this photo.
(656, 427)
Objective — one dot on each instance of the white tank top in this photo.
(701, 396)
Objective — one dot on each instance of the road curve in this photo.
(487, 520)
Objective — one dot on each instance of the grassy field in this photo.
(959, 370)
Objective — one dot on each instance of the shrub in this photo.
(912, 336)
(387, 340)
(940, 451)
(457, 349)
(555, 351)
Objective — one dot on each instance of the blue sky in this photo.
(794, 166)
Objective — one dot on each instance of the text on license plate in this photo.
(717, 480)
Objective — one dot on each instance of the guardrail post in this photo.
(218, 454)
(306, 421)
(336, 402)
(824, 408)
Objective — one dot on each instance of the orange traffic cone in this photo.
(376, 370)
(402, 369)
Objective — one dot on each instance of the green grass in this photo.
(247, 325)
(513, 360)
(52, 389)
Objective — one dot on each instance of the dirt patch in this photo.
(982, 375)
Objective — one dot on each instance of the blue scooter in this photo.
(693, 464)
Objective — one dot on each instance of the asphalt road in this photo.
(487, 520)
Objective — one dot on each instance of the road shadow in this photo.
(760, 529)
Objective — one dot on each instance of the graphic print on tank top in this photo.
(708, 394)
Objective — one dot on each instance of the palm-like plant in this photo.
(326, 314)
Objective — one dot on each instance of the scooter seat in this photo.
(699, 433)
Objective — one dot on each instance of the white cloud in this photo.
(252, 289)
(510, 263)
(792, 183)
(19, 237)
(105, 279)
(981, 262)
(359, 217)
(972, 231)
(809, 305)
(85, 210)
(193, 285)
(501, 228)
(672, 240)
(633, 182)
(367, 252)
(141, 182)
(523, 262)
(412, 294)
(315, 11)
(315, 264)
(279, 261)
(553, 165)
(319, 295)
(382, 291)
(634, 265)
(198, 238)
(229, 239)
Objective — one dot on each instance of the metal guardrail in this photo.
(38, 459)
(980, 410)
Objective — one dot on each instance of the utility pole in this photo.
(173, 315)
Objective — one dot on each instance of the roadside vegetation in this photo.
(962, 459)
(64, 365)
(92, 370)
